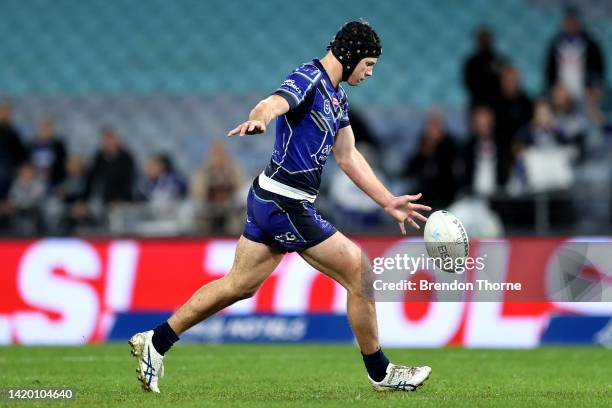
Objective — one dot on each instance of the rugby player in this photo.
(311, 112)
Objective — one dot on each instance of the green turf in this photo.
(316, 375)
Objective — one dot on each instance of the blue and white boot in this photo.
(150, 362)
(401, 378)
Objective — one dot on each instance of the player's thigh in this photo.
(253, 263)
(342, 260)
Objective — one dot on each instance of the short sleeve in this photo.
(298, 84)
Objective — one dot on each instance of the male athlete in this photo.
(311, 112)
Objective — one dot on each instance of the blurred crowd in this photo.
(46, 190)
(517, 144)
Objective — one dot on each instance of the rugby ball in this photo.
(446, 241)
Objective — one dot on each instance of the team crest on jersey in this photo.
(326, 107)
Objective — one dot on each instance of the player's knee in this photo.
(242, 289)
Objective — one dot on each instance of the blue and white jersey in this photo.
(305, 135)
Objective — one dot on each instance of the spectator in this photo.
(432, 166)
(597, 104)
(481, 169)
(574, 58)
(70, 193)
(543, 162)
(162, 186)
(481, 70)
(48, 154)
(25, 200)
(568, 120)
(479, 220)
(73, 187)
(541, 131)
(12, 151)
(112, 174)
(214, 187)
(513, 110)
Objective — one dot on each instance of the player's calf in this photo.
(366, 278)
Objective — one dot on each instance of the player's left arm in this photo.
(351, 161)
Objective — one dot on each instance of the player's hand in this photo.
(250, 127)
(403, 208)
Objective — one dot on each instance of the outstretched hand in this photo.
(403, 208)
(250, 127)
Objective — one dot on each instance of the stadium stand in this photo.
(171, 76)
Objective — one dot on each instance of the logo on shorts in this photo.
(321, 221)
(326, 107)
(286, 237)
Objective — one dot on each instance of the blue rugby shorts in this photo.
(284, 223)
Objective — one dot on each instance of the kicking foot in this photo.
(150, 362)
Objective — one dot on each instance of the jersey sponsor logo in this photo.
(290, 83)
(325, 153)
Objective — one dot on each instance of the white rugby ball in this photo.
(446, 240)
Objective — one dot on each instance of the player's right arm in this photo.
(291, 93)
(262, 114)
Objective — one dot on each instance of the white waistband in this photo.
(284, 190)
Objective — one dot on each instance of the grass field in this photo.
(317, 375)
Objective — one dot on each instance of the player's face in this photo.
(364, 69)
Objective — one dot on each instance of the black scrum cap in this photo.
(355, 40)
